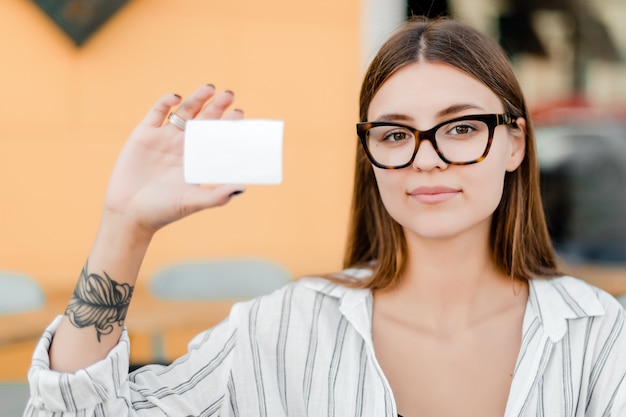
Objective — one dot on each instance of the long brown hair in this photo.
(519, 240)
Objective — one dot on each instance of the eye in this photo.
(396, 136)
(460, 129)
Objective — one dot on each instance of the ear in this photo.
(517, 138)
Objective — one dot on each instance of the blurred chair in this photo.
(18, 294)
(13, 397)
(231, 279)
(213, 281)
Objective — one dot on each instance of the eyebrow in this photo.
(457, 108)
(450, 110)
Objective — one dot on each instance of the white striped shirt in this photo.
(306, 350)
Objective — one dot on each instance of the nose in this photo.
(426, 158)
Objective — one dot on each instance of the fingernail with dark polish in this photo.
(236, 193)
(177, 96)
(238, 110)
(211, 85)
(229, 92)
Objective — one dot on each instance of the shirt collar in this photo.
(355, 304)
(552, 300)
(556, 300)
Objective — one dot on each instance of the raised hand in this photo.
(146, 188)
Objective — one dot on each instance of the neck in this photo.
(451, 282)
(436, 265)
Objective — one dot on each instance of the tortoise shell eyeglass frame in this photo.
(491, 120)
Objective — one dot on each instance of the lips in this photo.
(434, 195)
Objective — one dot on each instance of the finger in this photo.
(156, 115)
(200, 198)
(235, 114)
(194, 103)
(216, 107)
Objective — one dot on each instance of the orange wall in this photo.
(66, 112)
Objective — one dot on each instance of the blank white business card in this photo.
(248, 151)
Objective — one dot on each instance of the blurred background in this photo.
(77, 75)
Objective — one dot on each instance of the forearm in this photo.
(95, 315)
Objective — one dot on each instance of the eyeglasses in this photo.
(461, 141)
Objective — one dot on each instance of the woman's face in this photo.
(432, 199)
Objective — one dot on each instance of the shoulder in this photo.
(311, 307)
(307, 293)
(590, 325)
(573, 297)
(567, 304)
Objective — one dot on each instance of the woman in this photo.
(450, 305)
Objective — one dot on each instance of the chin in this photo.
(433, 233)
(445, 228)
